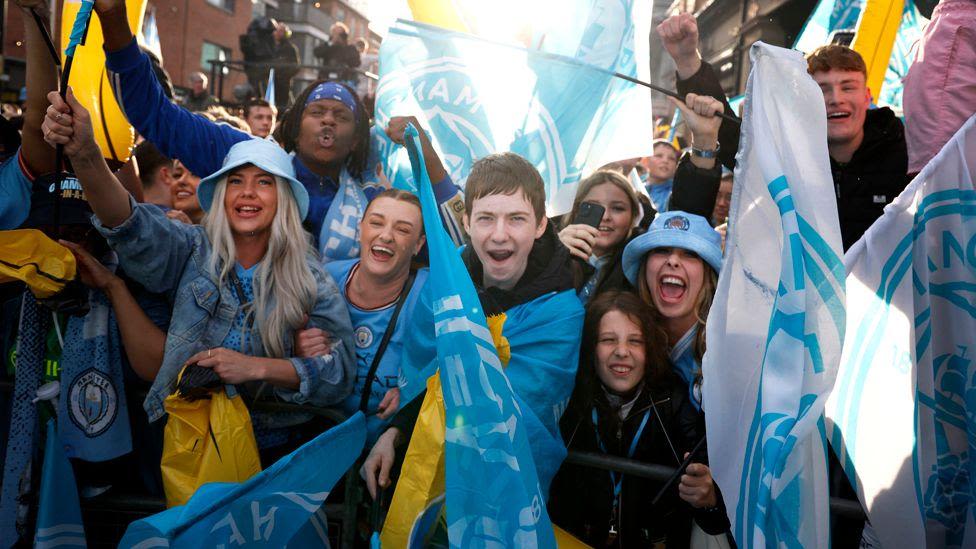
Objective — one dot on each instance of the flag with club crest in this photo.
(776, 325)
(902, 416)
(562, 108)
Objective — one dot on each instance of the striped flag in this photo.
(776, 325)
(493, 496)
(902, 416)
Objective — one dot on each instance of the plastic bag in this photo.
(28, 255)
(206, 440)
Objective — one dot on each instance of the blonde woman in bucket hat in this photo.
(242, 283)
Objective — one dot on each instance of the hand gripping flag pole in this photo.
(79, 30)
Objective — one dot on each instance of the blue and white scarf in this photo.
(92, 412)
(339, 236)
(34, 324)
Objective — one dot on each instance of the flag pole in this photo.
(679, 471)
(79, 31)
(669, 93)
(47, 38)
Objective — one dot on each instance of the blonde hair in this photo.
(284, 285)
(703, 302)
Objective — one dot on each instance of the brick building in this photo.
(191, 33)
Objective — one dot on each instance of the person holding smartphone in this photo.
(606, 212)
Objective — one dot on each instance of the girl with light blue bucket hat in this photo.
(674, 267)
(243, 282)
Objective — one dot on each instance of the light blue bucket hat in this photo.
(674, 230)
(263, 153)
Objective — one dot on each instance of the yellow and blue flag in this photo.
(493, 495)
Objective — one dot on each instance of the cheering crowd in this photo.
(266, 249)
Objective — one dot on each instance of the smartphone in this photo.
(589, 214)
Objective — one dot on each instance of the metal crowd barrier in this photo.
(345, 513)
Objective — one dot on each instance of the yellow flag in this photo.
(877, 29)
(89, 80)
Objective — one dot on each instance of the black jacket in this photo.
(343, 58)
(581, 498)
(876, 174)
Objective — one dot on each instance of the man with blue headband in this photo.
(327, 129)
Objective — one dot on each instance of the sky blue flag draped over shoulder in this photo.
(566, 114)
(776, 326)
(492, 490)
(59, 514)
(279, 507)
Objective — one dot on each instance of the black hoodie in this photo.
(876, 174)
(548, 270)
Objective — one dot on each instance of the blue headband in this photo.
(331, 90)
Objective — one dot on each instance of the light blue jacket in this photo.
(170, 257)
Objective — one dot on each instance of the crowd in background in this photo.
(288, 267)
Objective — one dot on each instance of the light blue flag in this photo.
(829, 16)
(902, 416)
(59, 513)
(150, 33)
(493, 494)
(476, 97)
(776, 326)
(269, 92)
(280, 506)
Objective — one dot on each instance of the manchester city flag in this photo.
(493, 496)
(566, 114)
(902, 415)
(279, 507)
(776, 326)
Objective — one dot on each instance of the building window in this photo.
(211, 52)
(340, 14)
(223, 4)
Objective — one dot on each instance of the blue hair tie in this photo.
(331, 90)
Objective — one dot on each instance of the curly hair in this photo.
(290, 126)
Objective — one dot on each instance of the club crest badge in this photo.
(93, 402)
(364, 337)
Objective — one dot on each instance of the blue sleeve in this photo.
(153, 249)
(326, 380)
(15, 193)
(198, 143)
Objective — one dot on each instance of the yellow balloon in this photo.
(89, 81)
(874, 39)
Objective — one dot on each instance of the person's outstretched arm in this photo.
(197, 142)
(152, 249)
(42, 77)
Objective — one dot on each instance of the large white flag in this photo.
(776, 326)
(902, 416)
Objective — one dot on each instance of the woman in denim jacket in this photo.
(233, 310)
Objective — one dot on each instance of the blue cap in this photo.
(263, 153)
(674, 230)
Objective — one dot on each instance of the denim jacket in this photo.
(170, 257)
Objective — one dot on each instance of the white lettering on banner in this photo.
(257, 519)
(235, 534)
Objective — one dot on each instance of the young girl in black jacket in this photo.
(628, 403)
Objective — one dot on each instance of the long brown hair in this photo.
(656, 365)
(703, 302)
